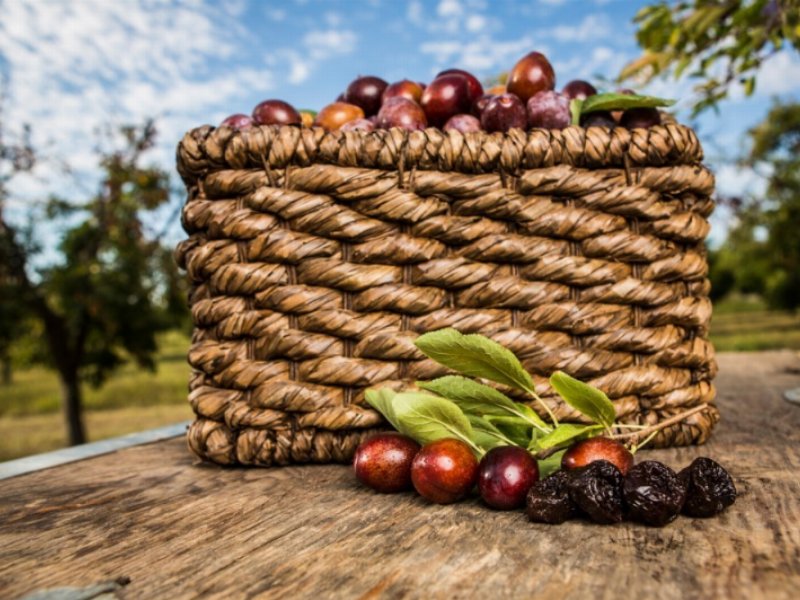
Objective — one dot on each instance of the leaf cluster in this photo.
(468, 408)
(718, 42)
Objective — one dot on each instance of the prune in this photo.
(597, 490)
(549, 502)
(653, 493)
(709, 488)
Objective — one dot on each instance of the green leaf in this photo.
(584, 398)
(614, 101)
(476, 356)
(429, 418)
(551, 464)
(486, 435)
(480, 399)
(575, 107)
(381, 400)
(566, 432)
(516, 429)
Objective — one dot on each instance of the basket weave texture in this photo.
(316, 258)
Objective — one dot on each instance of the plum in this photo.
(383, 462)
(504, 112)
(276, 112)
(549, 110)
(333, 116)
(533, 73)
(505, 476)
(445, 97)
(444, 471)
(588, 451)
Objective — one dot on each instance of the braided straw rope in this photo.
(316, 258)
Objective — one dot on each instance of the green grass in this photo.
(745, 324)
(35, 391)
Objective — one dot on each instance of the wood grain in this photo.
(181, 529)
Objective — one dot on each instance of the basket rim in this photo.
(207, 149)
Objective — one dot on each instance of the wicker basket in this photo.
(316, 259)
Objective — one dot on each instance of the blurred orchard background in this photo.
(94, 96)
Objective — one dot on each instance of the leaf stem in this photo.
(659, 426)
(536, 397)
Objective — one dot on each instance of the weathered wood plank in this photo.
(182, 529)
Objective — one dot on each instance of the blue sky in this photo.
(74, 66)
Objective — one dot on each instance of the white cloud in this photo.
(591, 27)
(323, 43)
(779, 75)
(96, 62)
(449, 9)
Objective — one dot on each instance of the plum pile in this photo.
(598, 480)
(454, 100)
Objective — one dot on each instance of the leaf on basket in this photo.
(476, 356)
(586, 399)
(381, 400)
(480, 399)
(428, 418)
(614, 101)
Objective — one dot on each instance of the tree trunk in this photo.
(72, 401)
(5, 378)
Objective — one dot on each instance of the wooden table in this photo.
(178, 528)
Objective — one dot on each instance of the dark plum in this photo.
(444, 471)
(709, 488)
(445, 97)
(597, 490)
(383, 462)
(548, 500)
(505, 475)
(474, 86)
(549, 110)
(463, 123)
(585, 452)
(653, 493)
(636, 118)
(403, 89)
(504, 112)
(358, 125)
(480, 104)
(577, 88)
(402, 113)
(366, 93)
(617, 114)
(238, 122)
(276, 112)
(533, 73)
(333, 116)
(600, 118)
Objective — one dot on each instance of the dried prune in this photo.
(653, 493)
(709, 488)
(597, 490)
(549, 502)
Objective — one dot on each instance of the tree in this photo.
(719, 42)
(762, 252)
(16, 156)
(102, 302)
